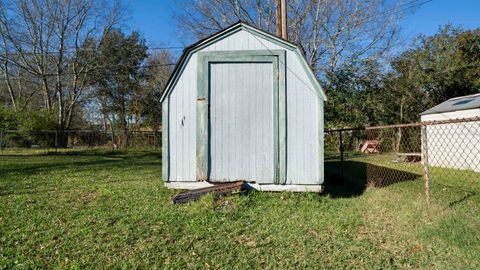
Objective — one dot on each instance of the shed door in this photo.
(241, 122)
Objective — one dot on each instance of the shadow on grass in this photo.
(462, 199)
(78, 161)
(357, 176)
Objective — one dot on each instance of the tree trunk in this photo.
(46, 94)
(9, 85)
(399, 133)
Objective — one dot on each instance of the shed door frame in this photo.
(277, 58)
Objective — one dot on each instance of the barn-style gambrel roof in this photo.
(188, 51)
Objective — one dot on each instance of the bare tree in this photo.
(160, 69)
(332, 32)
(52, 42)
(198, 18)
(160, 65)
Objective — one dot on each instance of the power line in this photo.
(72, 50)
(413, 3)
(167, 48)
(396, 10)
(89, 72)
(400, 8)
(293, 72)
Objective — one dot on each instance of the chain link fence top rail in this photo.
(52, 140)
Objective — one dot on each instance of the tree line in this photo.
(431, 70)
(71, 64)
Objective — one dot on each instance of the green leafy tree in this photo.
(355, 95)
(443, 66)
(121, 79)
(433, 70)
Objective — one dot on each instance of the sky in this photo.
(154, 19)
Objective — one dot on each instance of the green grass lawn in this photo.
(110, 210)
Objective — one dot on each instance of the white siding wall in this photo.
(302, 125)
(455, 145)
(302, 115)
(183, 125)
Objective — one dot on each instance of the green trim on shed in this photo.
(230, 31)
(277, 58)
(202, 120)
(282, 117)
(165, 141)
(320, 143)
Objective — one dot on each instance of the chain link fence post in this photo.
(113, 141)
(342, 158)
(46, 144)
(426, 174)
(56, 140)
(1, 141)
(155, 140)
(90, 139)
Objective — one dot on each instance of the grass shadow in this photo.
(378, 176)
(78, 162)
(352, 182)
(357, 176)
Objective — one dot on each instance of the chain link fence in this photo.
(12, 141)
(442, 158)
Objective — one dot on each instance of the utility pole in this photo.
(284, 19)
(278, 17)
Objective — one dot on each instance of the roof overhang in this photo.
(462, 103)
(199, 45)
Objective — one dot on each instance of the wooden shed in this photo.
(243, 104)
(455, 143)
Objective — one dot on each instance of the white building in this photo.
(243, 104)
(454, 145)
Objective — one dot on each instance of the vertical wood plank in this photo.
(202, 120)
(282, 118)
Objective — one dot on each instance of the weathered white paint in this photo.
(304, 153)
(183, 126)
(241, 122)
(454, 145)
(259, 187)
(302, 126)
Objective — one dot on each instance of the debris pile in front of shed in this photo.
(219, 190)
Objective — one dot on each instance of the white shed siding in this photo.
(454, 145)
(183, 125)
(242, 40)
(302, 114)
(302, 125)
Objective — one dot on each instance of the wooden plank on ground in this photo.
(218, 189)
